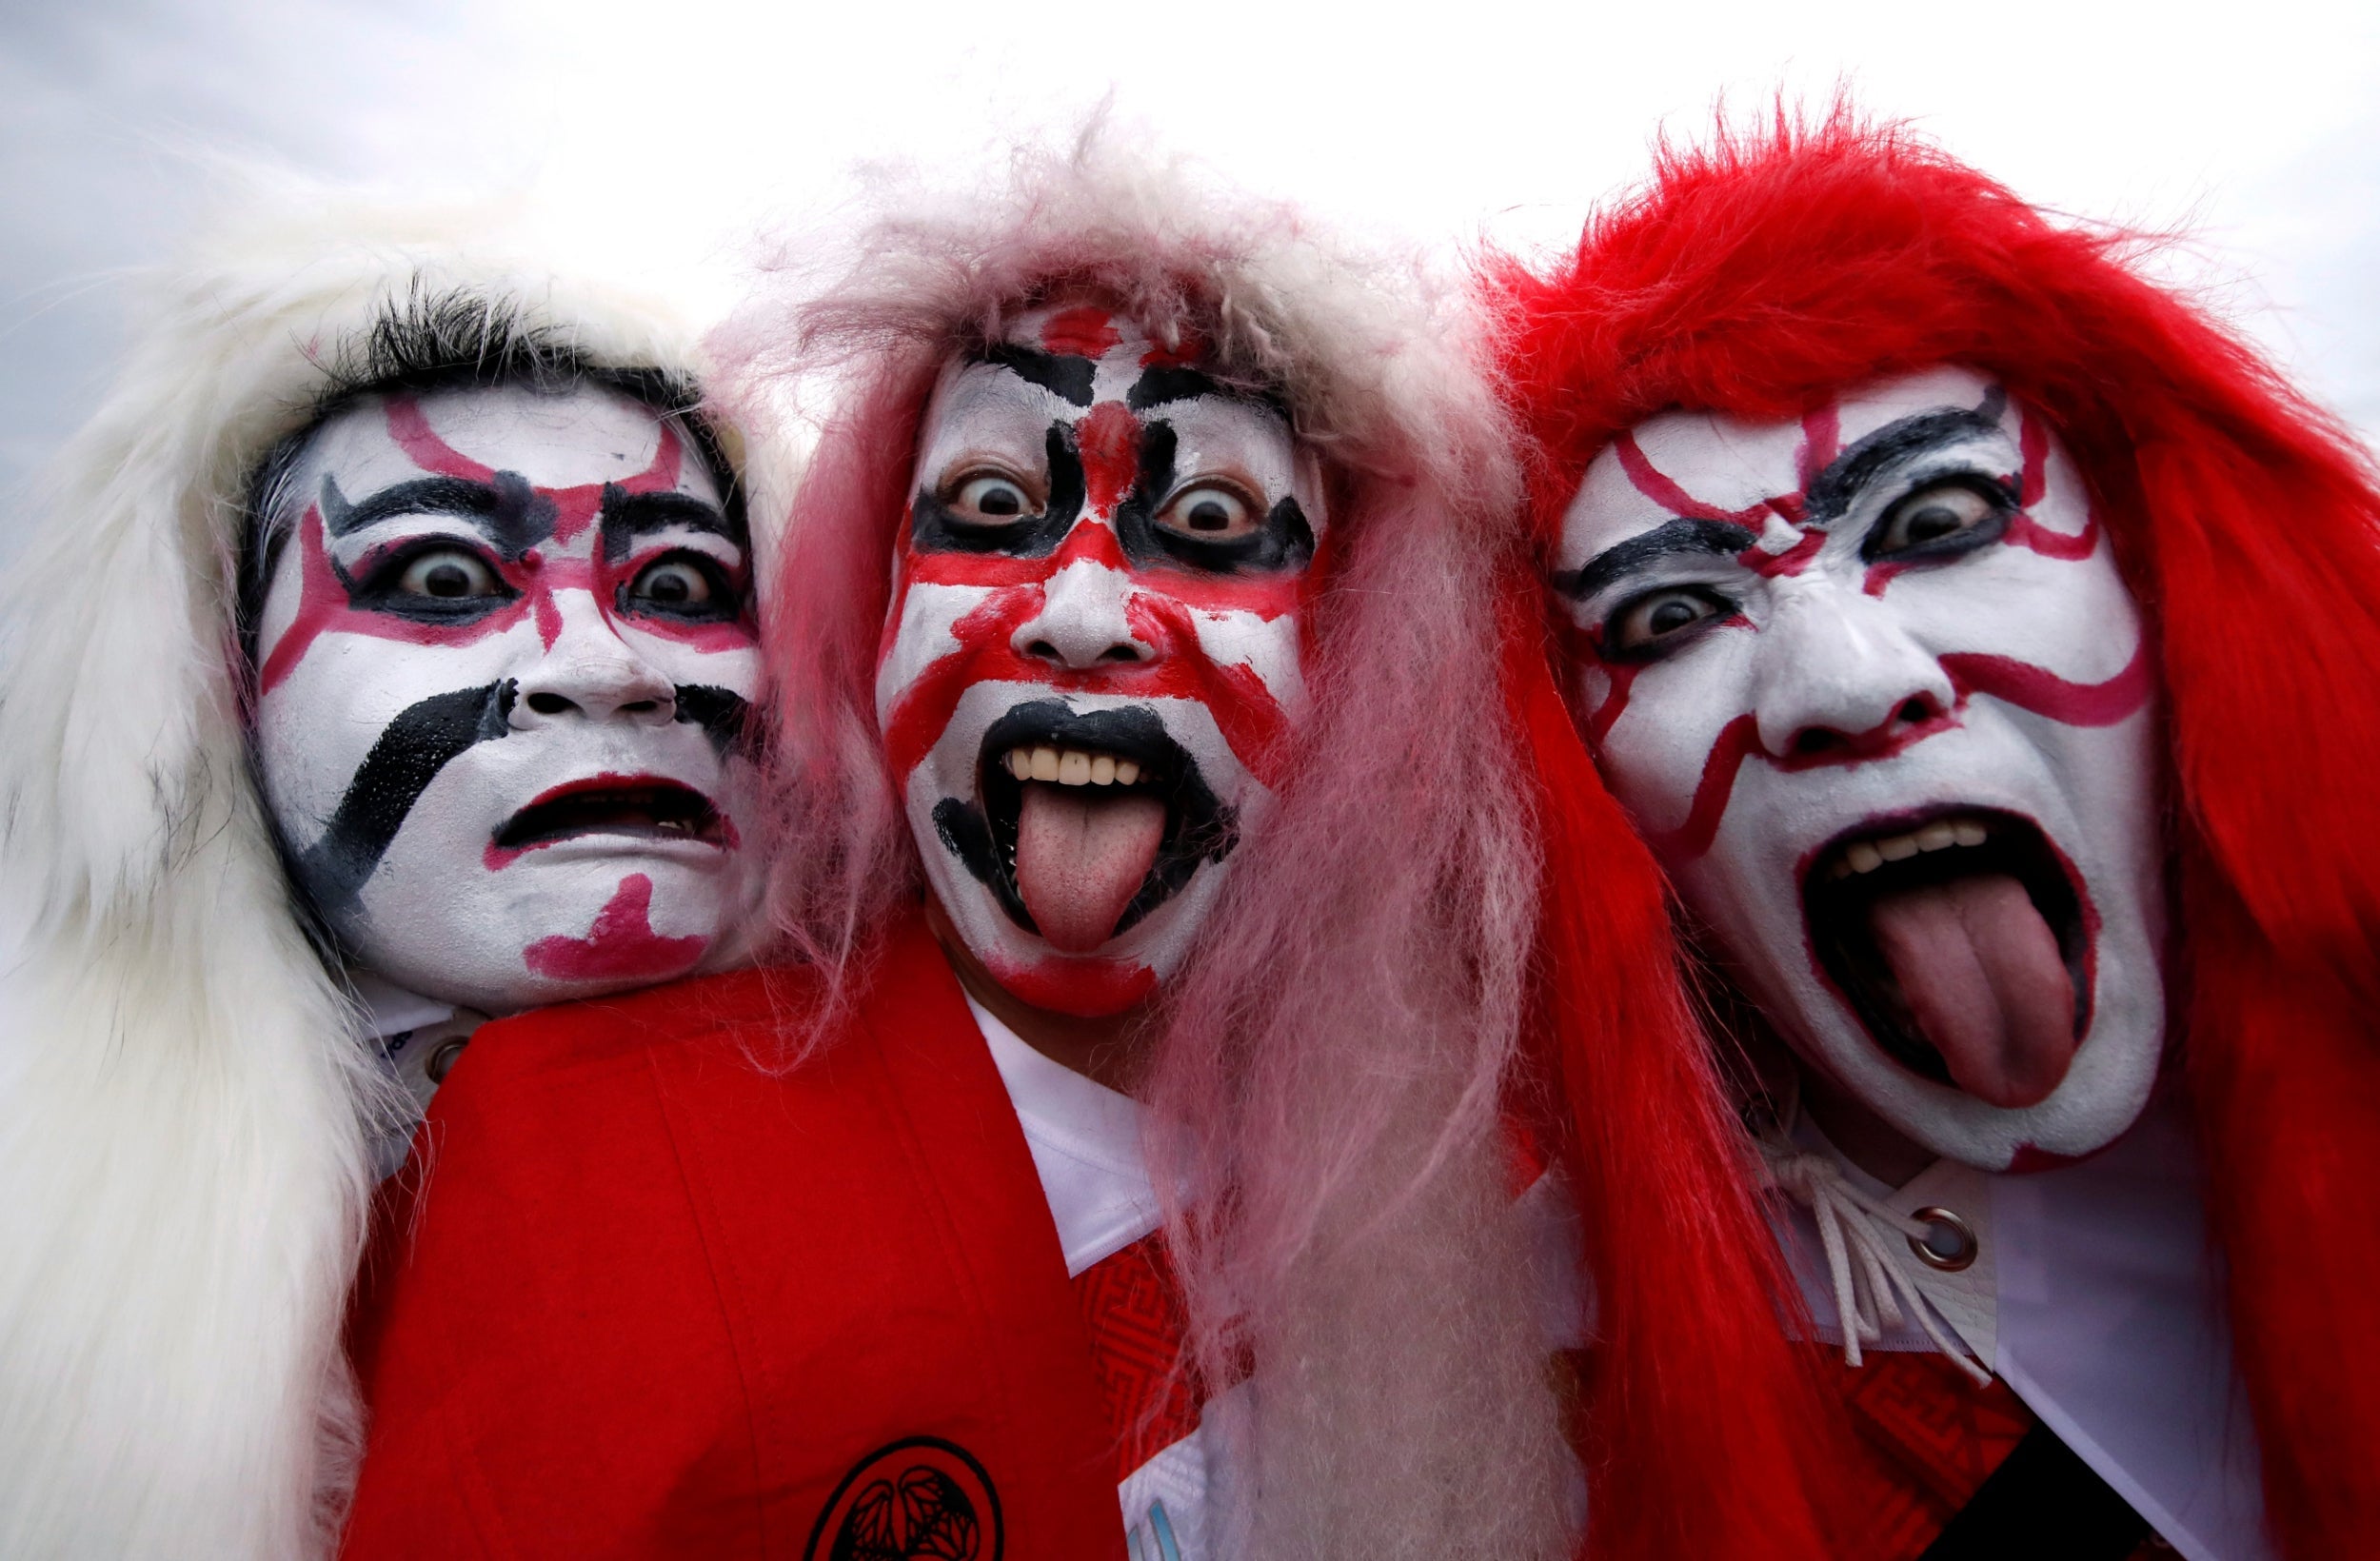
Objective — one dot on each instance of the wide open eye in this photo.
(448, 574)
(1211, 511)
(1657, 617)
(679, 583)
(1931, 516)
(989, 498)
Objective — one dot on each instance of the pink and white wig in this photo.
(186, 1101)
(1330, 1060)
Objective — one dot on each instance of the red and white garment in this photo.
(2095, 1297)
(1085, 1140)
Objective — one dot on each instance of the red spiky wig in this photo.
(1760, 277)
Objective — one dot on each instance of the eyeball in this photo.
(674, 583)
(448, 574)
(1933, 515)
(991, 498)
(1658, 616)
(1210, 512)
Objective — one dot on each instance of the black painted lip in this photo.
(1835, 919)
(1197, 826)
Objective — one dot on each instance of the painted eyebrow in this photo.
(1068, 378)
(423, 496)
(1624, 557)
(629, 516)
(1832, 491)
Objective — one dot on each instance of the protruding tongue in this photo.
(1082, 854)
(1985, 982)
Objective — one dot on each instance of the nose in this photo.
(1839, 679)
(1085, 622)
(590, 673)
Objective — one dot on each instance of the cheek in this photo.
(315, 727)
(2071, 617)
(1654, 726)
(925, 628)
(1270, 652)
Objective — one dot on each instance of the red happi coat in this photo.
(636, 1296)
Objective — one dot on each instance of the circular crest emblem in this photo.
(917, 1499)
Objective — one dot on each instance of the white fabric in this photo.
(2105, 1297)
(1085, 1140)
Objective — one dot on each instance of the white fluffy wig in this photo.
(1336, 1048)
(186, 1101)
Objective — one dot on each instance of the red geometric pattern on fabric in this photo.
(1132, 1303)
(1928, 1440)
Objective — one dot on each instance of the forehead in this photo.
(587, 434)
(1732, 464)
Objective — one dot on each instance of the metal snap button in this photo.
(1950, 1244)
(443, 1058)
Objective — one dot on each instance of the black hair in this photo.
(431, 341)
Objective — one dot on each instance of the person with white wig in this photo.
(378, 665)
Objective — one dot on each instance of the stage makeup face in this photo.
(1093, 649)
(1871, 685)
(503, 663)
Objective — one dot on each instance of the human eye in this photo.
(981, 496)
(446, 572)
(680, 584)
(1650, 624)
(1940, 517)
(1211, 511)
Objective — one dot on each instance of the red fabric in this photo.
(1132, 1305)
(649, 1300)
(1765, 275)
(1926, 1439)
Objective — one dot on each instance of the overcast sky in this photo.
(670, 128)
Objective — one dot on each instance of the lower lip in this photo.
(599, 843)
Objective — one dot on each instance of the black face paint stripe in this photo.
(1063, 376)
(1832, 493)
(723, 714)
(407, 757)
(628, 516)
(508, 511)
(1164, 383)
(1624, 557)
(428, 496)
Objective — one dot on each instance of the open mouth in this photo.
(1088, 822)
(641, 807)
(1960, 941)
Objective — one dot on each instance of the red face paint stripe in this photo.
(1791, 561)
(621, 946)
(2044, 693)
(1244, 710)
(422, 446)
(2033, 444)
(1821, 442)
(1110, 439)
(1662, 491)
(1738, 741)
(1088, 331)
(324, 608)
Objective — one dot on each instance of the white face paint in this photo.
(1092, 655)
(501, 660)
(1872, 686)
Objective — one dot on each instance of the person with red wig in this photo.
(1979, 637)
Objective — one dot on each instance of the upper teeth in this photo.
(1071, 766)
(1867, 856)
